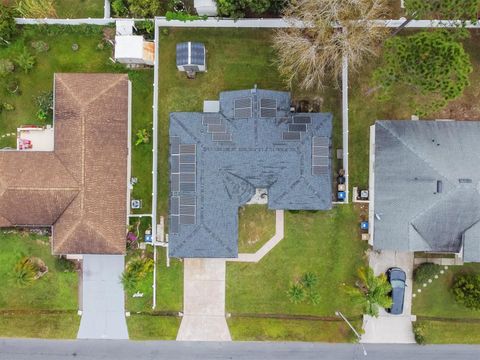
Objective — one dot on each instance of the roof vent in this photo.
(439, 186)
(465, 181)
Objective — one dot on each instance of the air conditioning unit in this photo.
(136, 204)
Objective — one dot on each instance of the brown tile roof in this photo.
(80, 188)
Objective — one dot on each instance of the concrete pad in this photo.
(204, 301)
(387, 328)
(103, 301)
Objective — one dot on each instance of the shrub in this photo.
(119, 8)
(24, 271)
(466, 289)
(144, 8)
(419, 332)
(8, 27)
(40, 46)
(296, 293)
(239, 8)
(136, 270)
(25, 61)
(183, 16)
(37, 8)
(143, 137)
(8, 107)
(443, 9)
(425, 271)
(44, 101)
(309, 280)
(6, 67)
(64, 265)
(304, 289)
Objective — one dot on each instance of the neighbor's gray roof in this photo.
(197, 54)
(211, 179)
(411, 158)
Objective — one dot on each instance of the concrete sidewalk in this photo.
(204, 301)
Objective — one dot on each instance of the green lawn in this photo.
(21, 306)
(75, 9)
(437, 300)
(256, 225)
(61, 58)
(149, 327)
(451, 332)
(325, 243)
(255, 329)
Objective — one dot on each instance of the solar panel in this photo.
(208, 119)
(243, 113)
(268, 103)
(320, 170)
(174, 145)
(243, 103)
(214, 128)
(174, 225)
(268, 112)
(187, 219)
(187, 168)
(174, 164)
(187, 186)
(289, 135)
(187, 177)
(197, 53)
(302, 120)
(187, 148)
(297, 127)
(221, 137)
(187, 159)
(320, 161)
(174, 205)
(187, 210)
(175, 182)
(187, 200)
(320, 151)
(321, 141)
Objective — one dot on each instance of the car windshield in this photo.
(397, 284)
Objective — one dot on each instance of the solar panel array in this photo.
(217, 127)
(268, 108)
(296, 126)
(182, 184)
(320, 155)
(243, 108)
(197, 54)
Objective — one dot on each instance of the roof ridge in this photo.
(103, 92)
(69, 91)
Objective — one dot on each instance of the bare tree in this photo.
(312, 55)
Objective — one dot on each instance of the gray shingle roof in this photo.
(426, 191)
(218, 160)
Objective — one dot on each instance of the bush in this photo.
(304, 289)
(44, 101)
(425, 271)
(40, 46)
(296, 293)
(24, 271)
(136, 270)
(419, 332)
(64, 265)
(143, 137)
(183, 16)
(8, 107)
(6, 67)
(25, 61)
(37, 8)
(119, 8)
(239, 8)
(466, 289)
(8, 27)
(144, 8)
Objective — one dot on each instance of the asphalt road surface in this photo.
(13, 349)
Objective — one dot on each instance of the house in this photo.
(80, 188)
(219, 161)
(425, 187)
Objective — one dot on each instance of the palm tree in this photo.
(25, 60)
(370, 291)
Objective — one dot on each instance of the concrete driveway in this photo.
(103, 298)
(391, 328)
(204, 301)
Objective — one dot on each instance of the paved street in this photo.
(103, 298)
(123, 350)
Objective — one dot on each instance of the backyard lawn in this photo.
(446, 321)
(76, 9)
(46, 307)
(256, 225)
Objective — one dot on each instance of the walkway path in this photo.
(103, 298)
(387, 328)
(204, 301)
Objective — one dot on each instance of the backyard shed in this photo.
(133, 49)
(191, 57)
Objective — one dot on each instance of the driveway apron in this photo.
(103, 298)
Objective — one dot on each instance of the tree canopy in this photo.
(431, 66)
(443, 9)
(312, 56)
(8, 27)
(239, 8)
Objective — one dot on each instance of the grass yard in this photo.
(451, 332)
(88, 58)
(256, 225)
(325, 243)
(25, 310)
(150, 327)
(365, 108)
(257, 329)
(76, 9)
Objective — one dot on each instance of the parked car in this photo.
(397, 278)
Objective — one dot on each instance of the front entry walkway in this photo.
(103, 299)
(204, 301)
(387, 328)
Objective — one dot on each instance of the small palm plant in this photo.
(296, 293)
(25, 60)
(25, 271)
(143, 137)
(370, 291)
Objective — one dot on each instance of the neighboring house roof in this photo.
(80, 187)
(218, 160)
(426, 191)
